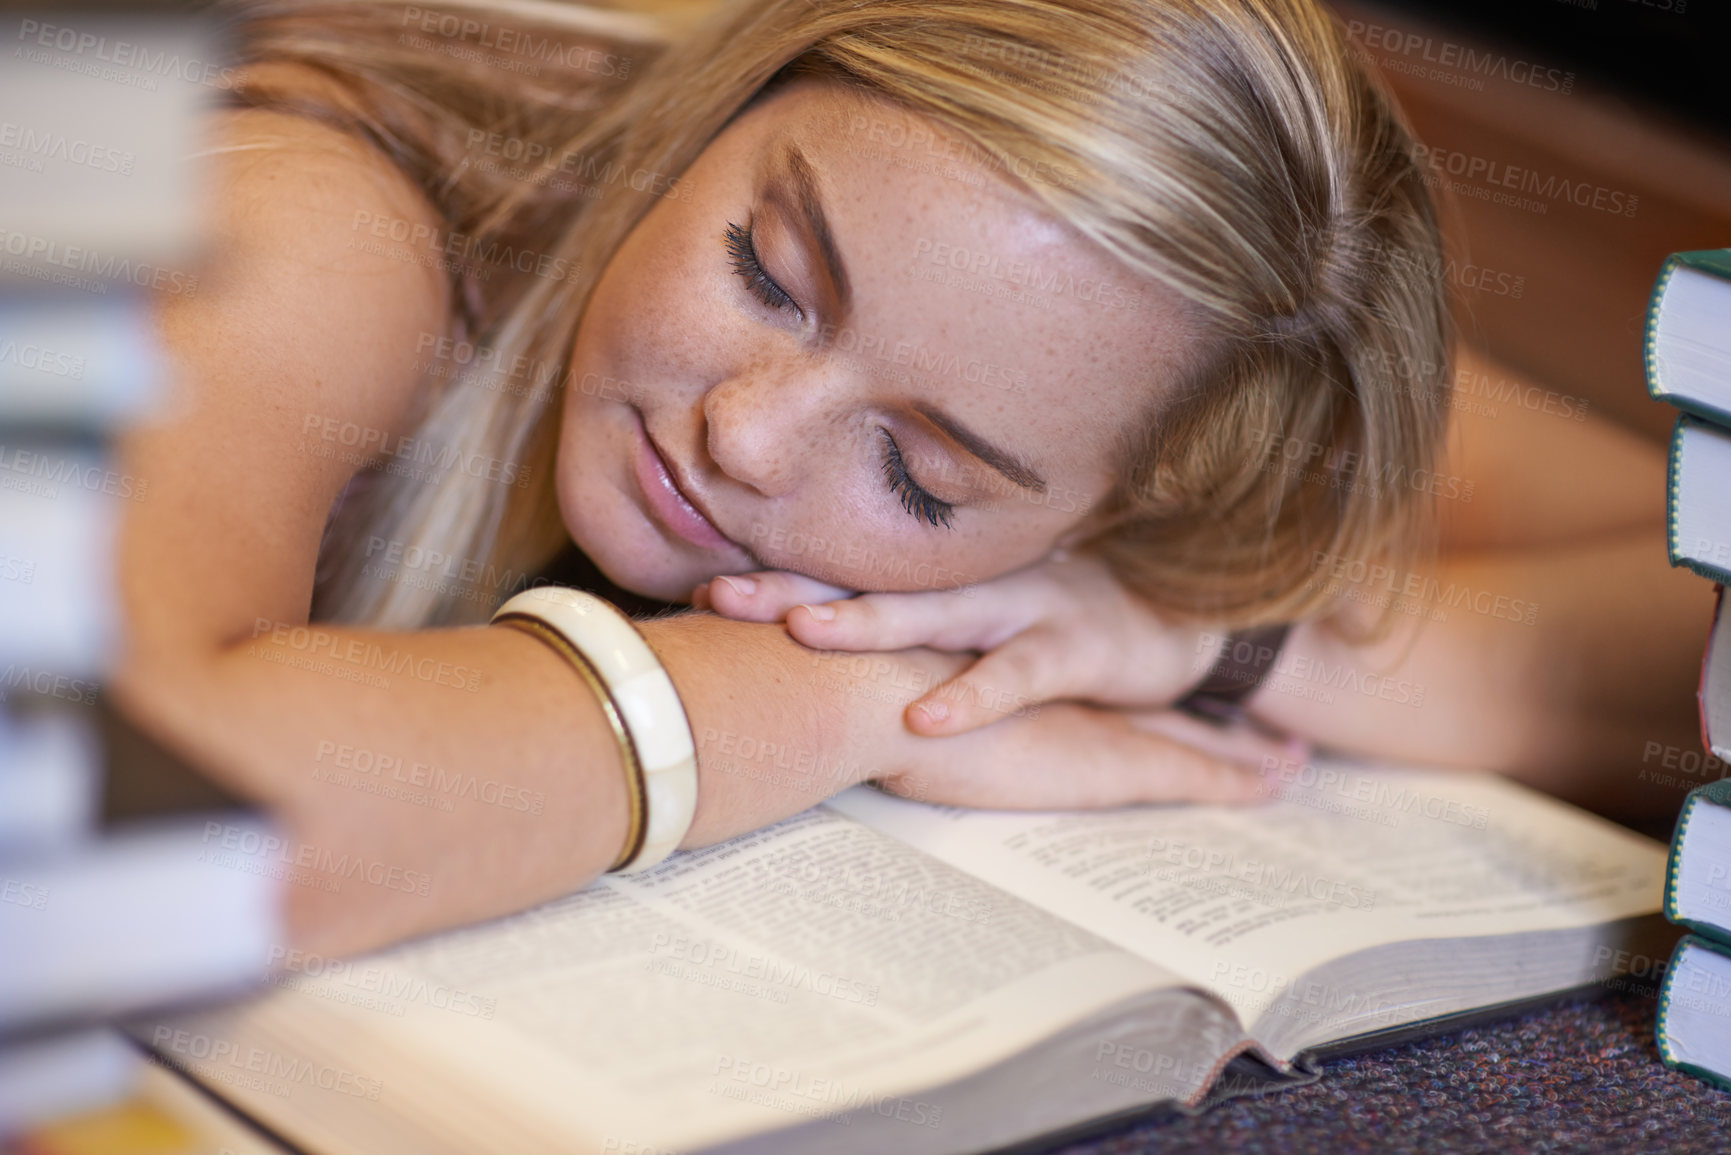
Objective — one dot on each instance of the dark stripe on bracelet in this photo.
(1243, 665)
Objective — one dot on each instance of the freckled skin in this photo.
(774, 419)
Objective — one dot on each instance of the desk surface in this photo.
(1584, 1076)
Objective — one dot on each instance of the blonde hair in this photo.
(1232, 151)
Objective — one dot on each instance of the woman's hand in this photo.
(780, 727)
(1060, 629)
(1070, 756)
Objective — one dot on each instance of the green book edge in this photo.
(1716, 262)
(1673, 493)
(1712, 794)
(1672, 858)
(1661, 1036)
(1650, 331)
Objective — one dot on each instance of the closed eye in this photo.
(743, 254)
(914, 497)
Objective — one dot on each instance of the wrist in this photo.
(869, 694)
(771, 741)
(712, 713)
(645, 714)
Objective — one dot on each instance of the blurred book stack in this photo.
(1688, 362)
(124, 883)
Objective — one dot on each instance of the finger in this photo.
(1236, 742)
(973, 618)
(1073, 757)
(700, 597)
(1033, 667)
(768, 595)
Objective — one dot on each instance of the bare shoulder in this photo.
(1530, 464)
(303, 322)
(322, 264)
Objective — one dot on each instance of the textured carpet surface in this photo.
(1584, 1076)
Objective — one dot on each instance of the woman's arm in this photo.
(303, 326)
(434, 777)
(1566, 644)
(300, 326)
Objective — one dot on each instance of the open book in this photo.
(877, 974)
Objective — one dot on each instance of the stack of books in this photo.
(102, 911)
(1694, 1027)
(1688, 359)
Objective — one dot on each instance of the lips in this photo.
(667, 501)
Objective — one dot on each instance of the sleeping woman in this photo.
(974, 372)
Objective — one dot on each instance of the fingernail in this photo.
(935, 711)
(743, 586)
(821, 613)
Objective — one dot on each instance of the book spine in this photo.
(1649, 362)
(1675, 858)
(1661, 1029)
(1673, 492)
(1662, 1015)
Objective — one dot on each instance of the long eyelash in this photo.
(744, 255)
(914, 498)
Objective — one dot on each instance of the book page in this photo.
(817, 968)
(1245, 900)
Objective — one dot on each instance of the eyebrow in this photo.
(1007, 464)
(810, 206)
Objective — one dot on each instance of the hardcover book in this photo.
(1698, 873)
(1688, 336)
(1694, 1028)
(1698, 498)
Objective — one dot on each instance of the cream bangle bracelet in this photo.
(641, 705)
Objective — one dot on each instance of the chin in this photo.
(651, 582)
(635, 558)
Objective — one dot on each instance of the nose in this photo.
(764, 425)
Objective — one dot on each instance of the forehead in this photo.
(955, 267)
